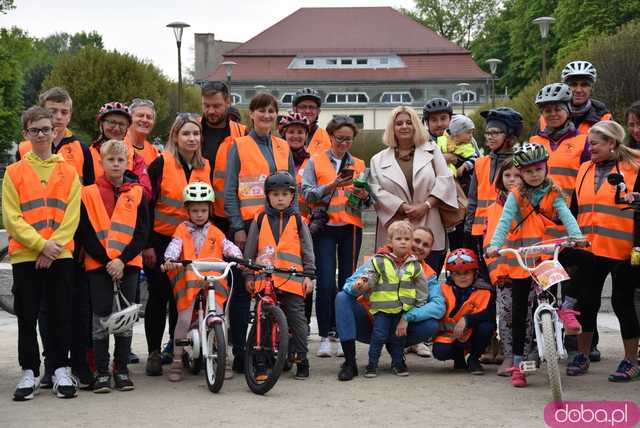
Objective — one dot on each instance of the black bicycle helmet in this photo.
(306, 94)
(279, 180)
(529, 154)
(436, 105)
(511, 118)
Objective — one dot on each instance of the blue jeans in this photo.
(346, 240)
(352, 323)
(383, 331)
(476, 344)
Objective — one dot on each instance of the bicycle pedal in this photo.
(184, 342)
(528, 366)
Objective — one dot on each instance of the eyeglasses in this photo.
(493, 134)
(115, 124)
(214, 86)
(340, 139)
(44, 131)
(465, 258)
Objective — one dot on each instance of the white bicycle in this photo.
(206, 342)
(549, 329)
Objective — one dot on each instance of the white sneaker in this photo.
(339, 352)
(423, 350)
(65, 386)
(27, 388)
(324, 350)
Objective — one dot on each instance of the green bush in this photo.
(367, 144)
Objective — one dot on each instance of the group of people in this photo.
(85, 221)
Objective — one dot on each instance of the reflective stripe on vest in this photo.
(97, 160)
(236, 130)
(186, 285)
(394, 293)
(169, 211)
(486, 193)
(42, 206)
(254, 170)
(608, 228)
(476, 303)
(115, 233)
(340, 212)
(71, 152)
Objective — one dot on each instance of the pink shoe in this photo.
(571, 324)
(518, 378)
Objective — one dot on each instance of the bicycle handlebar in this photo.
(198, 265)
(553, 248)
(252, 265)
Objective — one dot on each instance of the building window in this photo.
(465, 96)
(332, 61)
(346, 61)
(347, 98)
(287, 98)
(389, 61)
(384, 60)
(236, 98)
(309, 62)
(442, 92)
(362, 61)
(396, 98)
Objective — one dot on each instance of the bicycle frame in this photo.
(268, 296)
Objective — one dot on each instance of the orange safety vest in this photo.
(148, 152)
(608, 228)
(115, 233)
(220, 167)
(254, 170)
(495, 265)
(302, 202)
(320, 142)
(71, 152)
(186, 285)
(563, 162)
(42, 206)
(476, 303)
(339, 210)
(169, 211)
(97, 160)
(583, 128)
(287, 253)
(487, 193)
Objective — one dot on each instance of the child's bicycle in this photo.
(268, 340)
(206, 343)
(549, 330)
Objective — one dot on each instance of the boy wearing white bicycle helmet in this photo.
(113, 228)
(196, 238)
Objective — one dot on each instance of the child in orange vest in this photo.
(469, 320)
(196, 238)
(537, 208)
(280, 230)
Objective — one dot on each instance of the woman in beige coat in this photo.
(409, 180)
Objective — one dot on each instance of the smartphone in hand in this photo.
(346, 173)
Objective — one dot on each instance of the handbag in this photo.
(451, 217)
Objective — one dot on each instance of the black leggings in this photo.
(520, 298)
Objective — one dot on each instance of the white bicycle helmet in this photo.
(198, 192)
(579, 69)
(554, 93)
(121, 320)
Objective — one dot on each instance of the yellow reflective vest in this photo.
(395, 290)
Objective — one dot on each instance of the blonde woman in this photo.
(181, 163)
(410, 179)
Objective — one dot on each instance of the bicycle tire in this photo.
(275, 358)
(215, 363)
(551, 356)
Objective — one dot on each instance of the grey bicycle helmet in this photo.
(553, 93)
(279, 180)
(198, 192)
(436, 105)
(306, 94)
(511, 118)
(529, 154)
(579, 69)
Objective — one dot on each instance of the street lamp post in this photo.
(178, 28)
(544, 23)
(228, 67)
(493, 67)
(463, 92)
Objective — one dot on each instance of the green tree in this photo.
(6, 5)
(10, 98)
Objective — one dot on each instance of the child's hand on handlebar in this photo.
(492, 251)
(631, 197)
(169, 266)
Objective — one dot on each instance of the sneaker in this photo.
(347, 372)
(423, 350)
(578, 366)
(27, 388)
(102, 385)
(399, 369)
(65, 386)
(302, 369)
(154, 364)
(167, 354)
(370, 371)
(594, 355)
(123, 382)
(571, 325)
(133, 358)
(339, 351)
(474, 366)
(46, 382)
(84, 376)
(626, 372)
(324, 350)
(518, 379)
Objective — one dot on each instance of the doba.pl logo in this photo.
(592, 414)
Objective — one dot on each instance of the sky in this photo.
(139, 27)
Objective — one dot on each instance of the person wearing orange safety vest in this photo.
(143, 119)
(584, 111)
(469, 319)
(613, 233)
(279, 237)
(307, 102)
(251, 160)
(219, 130)
(326, 185)
(41, 211)
(195, 239)
(179, 164)
(113, 230)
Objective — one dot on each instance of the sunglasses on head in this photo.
(214, 86)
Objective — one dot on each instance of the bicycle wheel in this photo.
(551, 356)
(268, 360)
(192, 364)
(215, 362)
